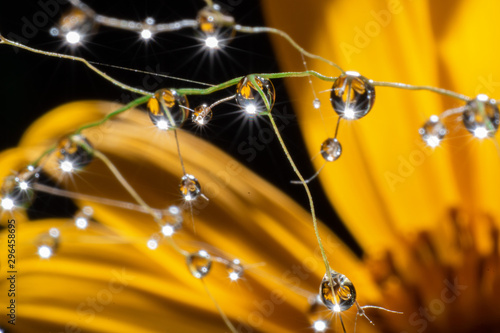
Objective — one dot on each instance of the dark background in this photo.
(34, 84)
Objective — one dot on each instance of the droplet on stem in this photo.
(352, 96)
(199, 263)
(331, 149)
(248, 97)
(433, 132)
(339, 297)
(481, 117)
(167, 109)
(190, 187)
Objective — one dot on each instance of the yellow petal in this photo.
(386, 180)
(246, 218)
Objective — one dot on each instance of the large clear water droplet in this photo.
(352, 96)
(167, 109)
(216, 26)
(190, 187)
(249, 98)
(74, 152)
(331, 149)
(339, 297)
(481, 117)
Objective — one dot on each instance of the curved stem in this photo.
(64, 56)
(254, 30)
(428, 88)
(308, 192)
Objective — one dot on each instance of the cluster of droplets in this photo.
(480, 117)
(352, 97)
(215, 27)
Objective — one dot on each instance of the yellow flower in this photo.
(427, 219)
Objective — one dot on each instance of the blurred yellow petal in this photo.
(387, 180)
(275, 241)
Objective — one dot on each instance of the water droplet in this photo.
(171, 221)
(199, 263)
(317, 103)
(75, 25)
(234, 270)
(433, 132)
(152, 244)
(190, 187)
(167, 109)
(343, 295)
(331, 149)
(352, 96)
(48, 243)
(17, 189)
(202, 115)
(249, 98)
(74, 153)
(216, 25)
(481, 117)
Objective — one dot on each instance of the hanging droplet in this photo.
(481, 117)
(234, 270)
(316, 103)
(331, 149)
(433, 132)
(190, 187)
(202, 115)
(75, 25)
(171, 221)
(249, 98)
(216, 26)
(352, 96)
(48, 243)
(17, 190)
(199, 263)
(83, 217)
(74, 152)
(167, 109)
(339, 298)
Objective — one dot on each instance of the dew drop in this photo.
(316, 103)
(74, 153)
(481, 117)
(167, 109)
(74, 26)
(331, 149)
(190, 187)
(248, 97)
(199, 263)
(352, 96)
(48, 243)
(433, 132)
(234, 270)
(216, 26)
(17, 189)
(202, 115)
(343, 294)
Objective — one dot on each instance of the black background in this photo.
(34, 84)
